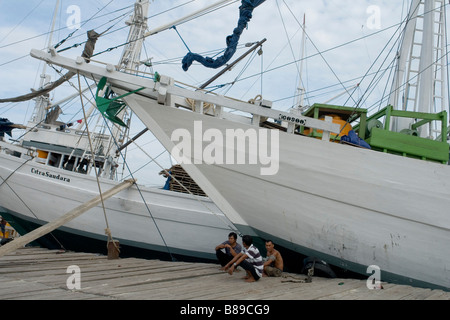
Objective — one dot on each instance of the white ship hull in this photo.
(349, 206)
(167, 223)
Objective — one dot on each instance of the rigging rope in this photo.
(142, 196)
(87, 54)
(175, 28)
(288, 64)
(137, 187)
(36, 93)
(1, 40)
(107, 230)
(182, 186)
(81, 26)
(24, 163)
(31, 211)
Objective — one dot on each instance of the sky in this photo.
(336, 62)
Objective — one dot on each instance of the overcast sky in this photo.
(331, 24)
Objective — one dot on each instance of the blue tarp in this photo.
(353, 138)
(5, 127)
(169, 178)
(245, 15)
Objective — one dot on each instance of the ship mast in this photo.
(301, 89)
(130, 59)
(421, 80)
(129, 63)
(42, 102)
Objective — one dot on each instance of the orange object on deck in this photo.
(345, 127)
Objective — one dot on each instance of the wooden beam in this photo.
(129, 82)
(49, 227)
(258, 44)
(132, 140)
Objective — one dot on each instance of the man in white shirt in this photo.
(249, 259)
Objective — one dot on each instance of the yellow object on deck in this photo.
(42, 154)
(345, 126)
(10, 232)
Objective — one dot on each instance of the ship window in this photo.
(99, 166)
(54, 159)
(83, 166)
(69, 163)
(16, 154)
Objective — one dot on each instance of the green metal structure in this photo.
(375, 130)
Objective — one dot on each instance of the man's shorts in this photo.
(273, 272)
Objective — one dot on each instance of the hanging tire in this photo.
(321, 268)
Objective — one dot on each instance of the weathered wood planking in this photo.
(41, 274)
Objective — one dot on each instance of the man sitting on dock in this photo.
(273, 265)
(3, 227)
(232, 248)
(250, 260)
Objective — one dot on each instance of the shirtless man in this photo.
(273, 266)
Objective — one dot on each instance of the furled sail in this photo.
(245, 15)
(7, 126)
(36, 93)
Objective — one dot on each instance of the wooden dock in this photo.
(41, 274)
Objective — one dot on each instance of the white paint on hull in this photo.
(357, 205)
(183, 220)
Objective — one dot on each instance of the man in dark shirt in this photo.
(232, 248)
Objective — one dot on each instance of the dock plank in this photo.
(41, 274)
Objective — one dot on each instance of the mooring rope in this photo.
(31, 211)
(107, 230)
